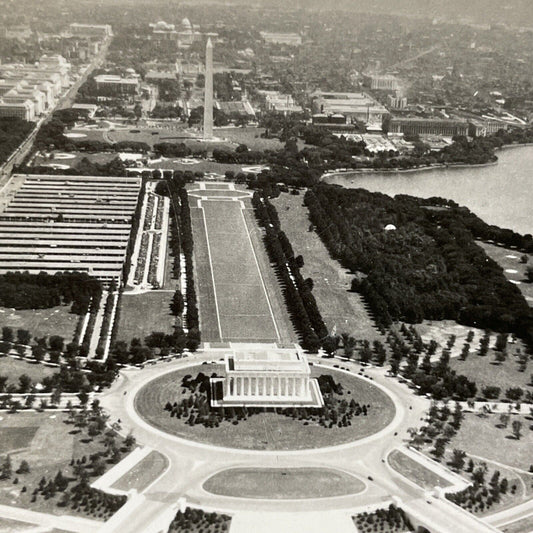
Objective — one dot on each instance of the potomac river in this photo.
(500, 194)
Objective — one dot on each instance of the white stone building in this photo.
(266, 378)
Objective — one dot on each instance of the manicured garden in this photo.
(163, 399)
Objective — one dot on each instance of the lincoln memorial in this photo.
(266, 378)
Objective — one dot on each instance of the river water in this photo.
(500, 194)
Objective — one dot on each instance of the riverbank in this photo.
(437, 166)
(499, 194)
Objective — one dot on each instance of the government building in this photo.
(266, 378)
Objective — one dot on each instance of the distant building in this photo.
(386, 82)
(111, 84)
(23, 109)
(428, 126)
(28, 90)
(482, 128)
(291, 39)
(183, 36)
(354, 106)
(397, 102)
(91, 30)
(280, 103)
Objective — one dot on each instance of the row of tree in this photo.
(298, 293)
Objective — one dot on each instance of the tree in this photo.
(56, 343)
(129, 441)
(348, 344)
(504, 419)
(23, 468)
(517, 427)
(7, 334)
(458, 459)
(24, 383)
(440, 448)
(5, 468)
(23, 336)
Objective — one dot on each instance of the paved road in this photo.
(193, 463)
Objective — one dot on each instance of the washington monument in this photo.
(208, 96)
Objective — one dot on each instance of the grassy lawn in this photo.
(204, 279)
(481, 436)
(49, 446)
(14, 526)
(279, 484)
(13, 368)
(514, 270)
(338, 306)
(415, 471)
(143, 473)
(273, 287)
(484, 371)
(520, 526)
(268, 430)
(141, 314)
(250, 136)
(41, 322)
(17, 438)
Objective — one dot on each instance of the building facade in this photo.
(428, 126)
(271, 378)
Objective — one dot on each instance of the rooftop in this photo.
(270, 360)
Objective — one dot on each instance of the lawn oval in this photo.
(268, 431)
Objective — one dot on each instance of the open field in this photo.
(13, 368)
(520, 526)
(50, 445)
(279, 484)
(240, 299)
(141, 314)
(250, 136)
(480, 435)
(268, 430)
(78, 156)
(17, 438)
(143, 473)
(485, 372)
(415, 471)
(514, 270)
(41, 322)
(339, 307)
(14, 526)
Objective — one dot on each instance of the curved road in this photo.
(192, 463)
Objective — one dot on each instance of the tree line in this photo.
(298, 294)
(22, 290)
